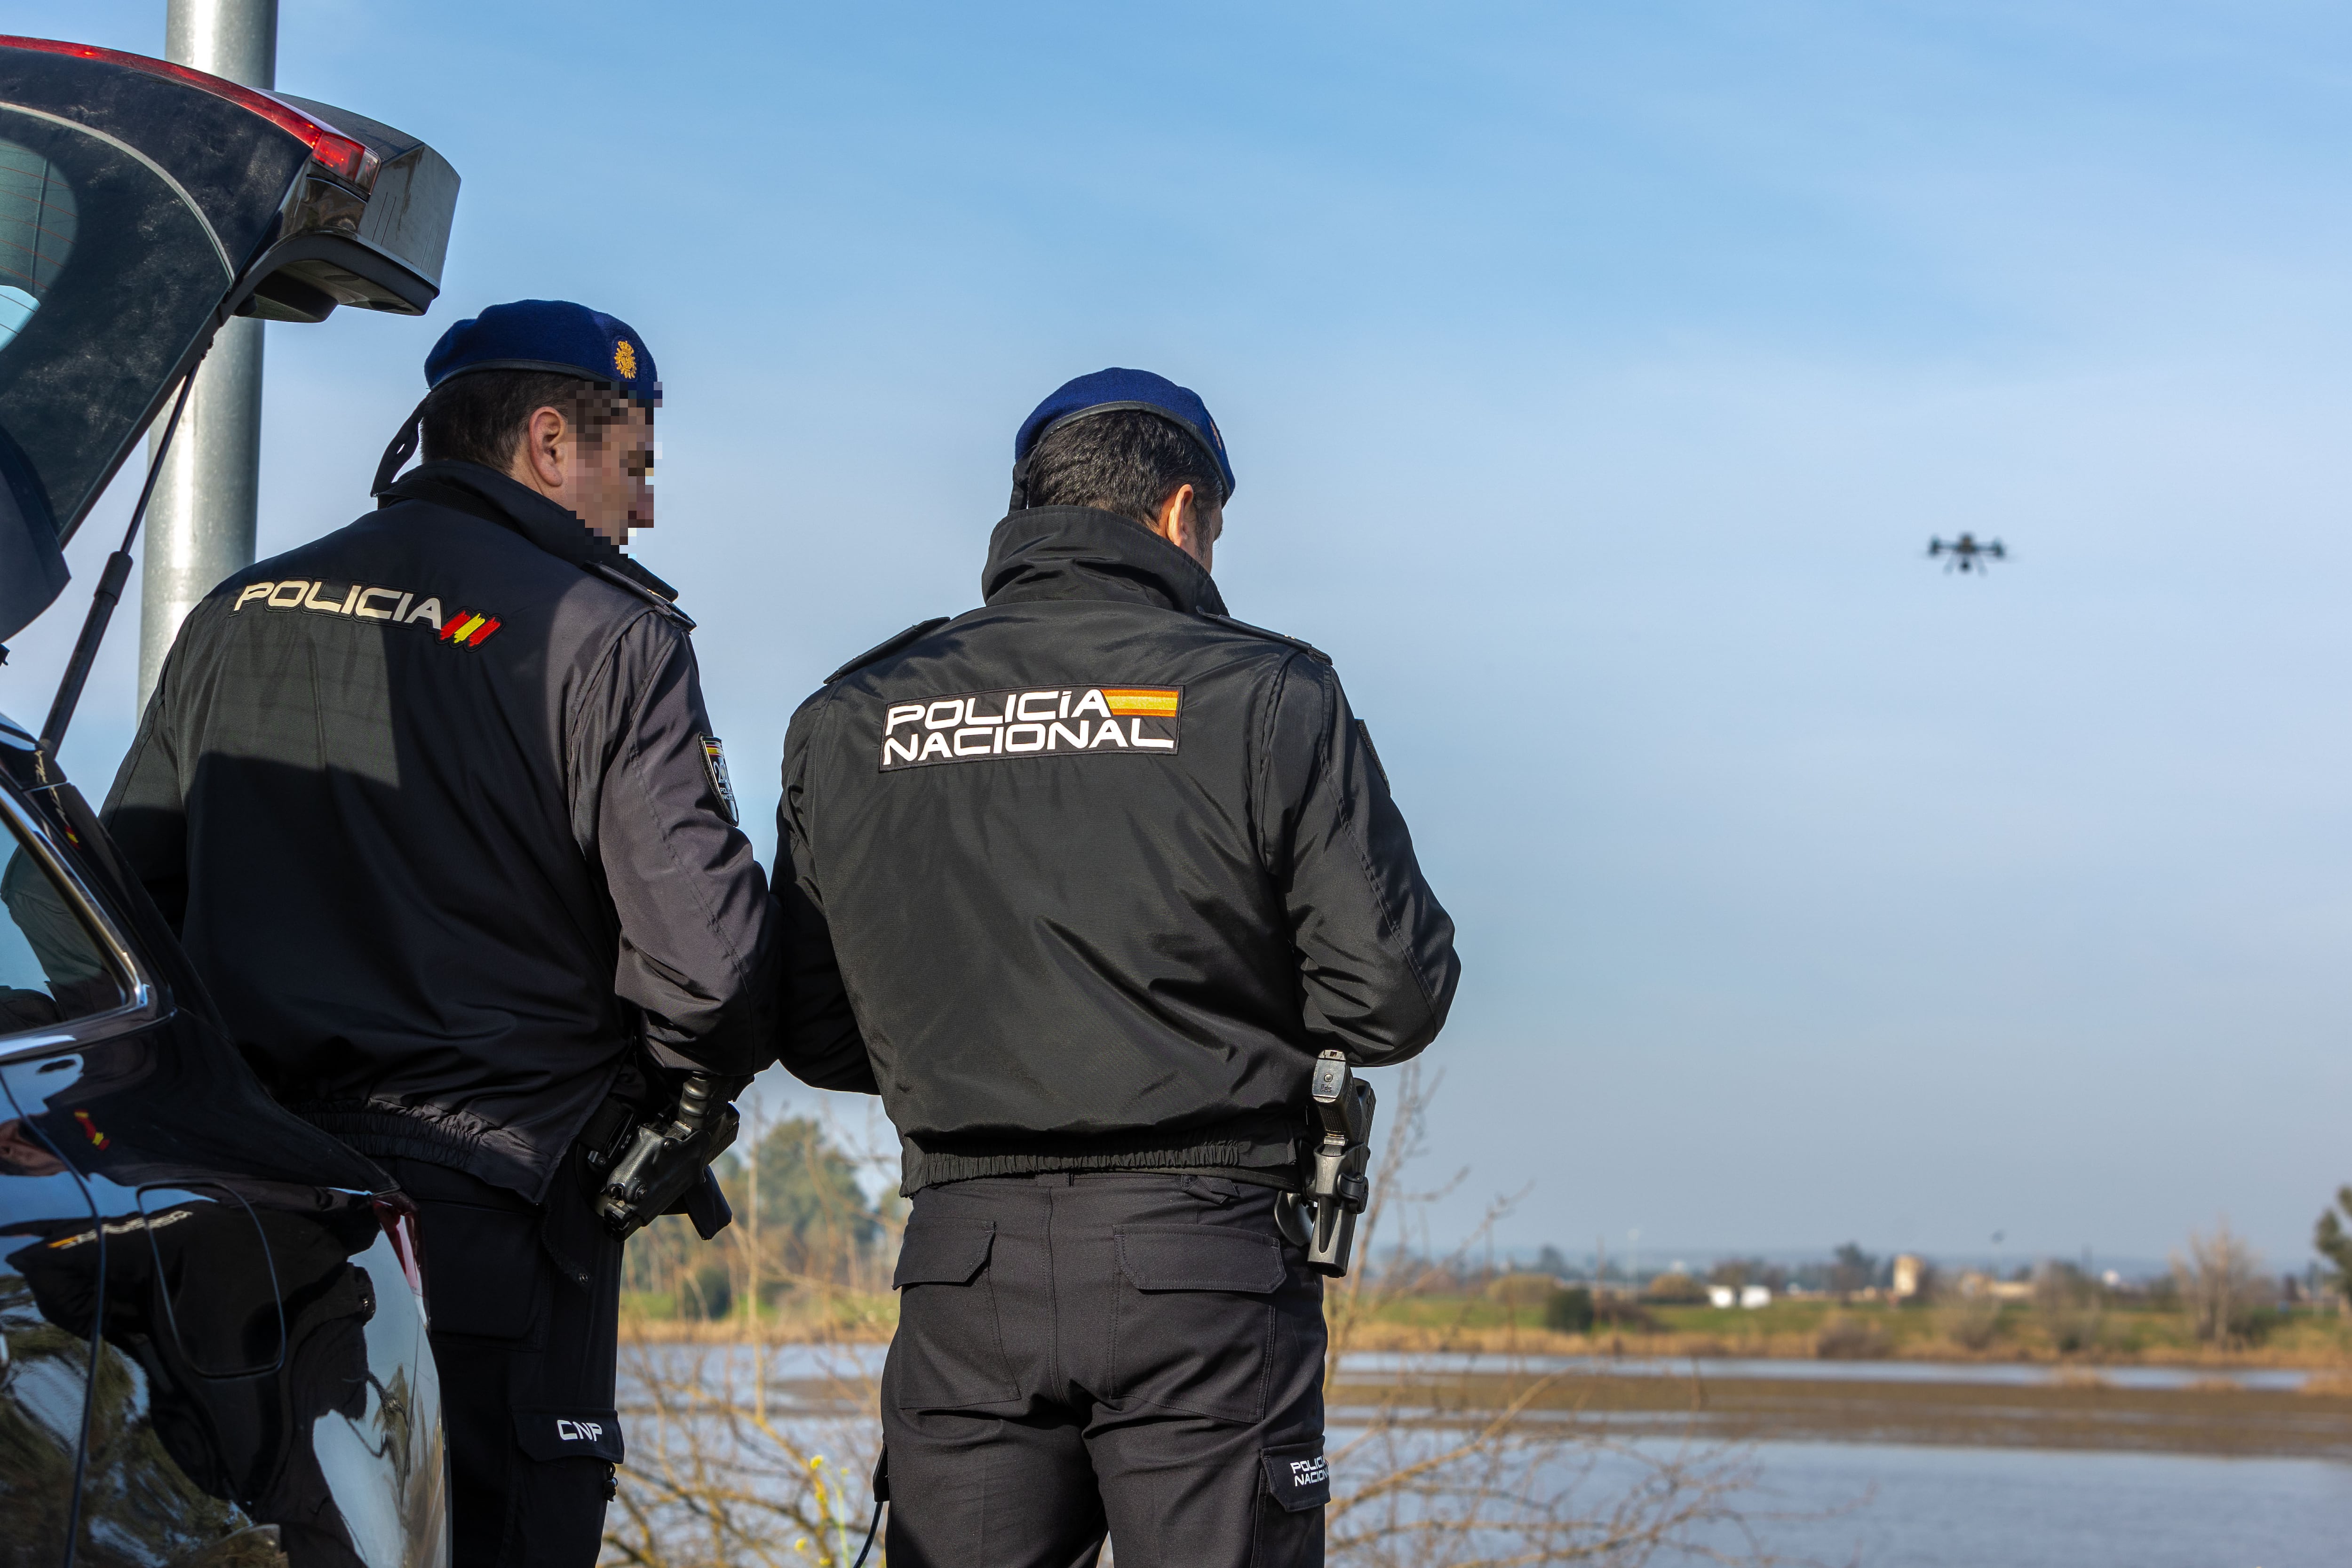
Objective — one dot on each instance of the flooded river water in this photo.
(1925, 1507)
(1885, 1464)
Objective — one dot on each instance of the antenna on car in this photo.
(110, 584)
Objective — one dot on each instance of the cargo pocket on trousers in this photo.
(1193, 1321)
(571, 1432)
(948, 1352)
(555, 1503)
(1294, 1485)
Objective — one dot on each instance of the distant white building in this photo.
(1907, 1270)
(1750, 1296)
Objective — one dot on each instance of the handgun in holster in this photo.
(649, 1163)
(1321, 1217)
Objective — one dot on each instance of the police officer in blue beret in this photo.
(438, 811)
(1091, 876)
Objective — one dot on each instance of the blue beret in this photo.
(1107, 390)
(548, 335)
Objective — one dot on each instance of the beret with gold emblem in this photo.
(550, 335)
(531, 334)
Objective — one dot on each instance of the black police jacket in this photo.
(1095, 872)
(436, 808)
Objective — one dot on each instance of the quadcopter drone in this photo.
(1966, 553)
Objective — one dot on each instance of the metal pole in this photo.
(201, 523)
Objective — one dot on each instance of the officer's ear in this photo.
(1190, 524)
(539, 460)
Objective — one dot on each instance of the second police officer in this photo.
(1094, 872)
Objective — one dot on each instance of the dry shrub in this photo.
(1852, 1338)
(1418, 1482)
(2073, 1308)
(744, 1453)
(1972, 1323)
(1521, 1289)
(1675, 1290)
(729, 1470)
(1625, 1314)
(1504, 1489)
(2223, 1286)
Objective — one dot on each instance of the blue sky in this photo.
(1595, 376)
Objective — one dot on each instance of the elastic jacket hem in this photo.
(453, 1140)
(1258, 1143)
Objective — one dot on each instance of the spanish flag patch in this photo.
(1143, 701)
(469, 628)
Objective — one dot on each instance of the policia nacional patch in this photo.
(1297, 1475)
(1054, 720)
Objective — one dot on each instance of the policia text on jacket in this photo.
(975, 724)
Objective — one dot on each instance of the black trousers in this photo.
(1134, 1353)
(525, 1304)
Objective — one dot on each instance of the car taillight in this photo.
(397, 1217)
(345, 157)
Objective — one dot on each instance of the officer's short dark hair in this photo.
(479, 417)
(1126, 461)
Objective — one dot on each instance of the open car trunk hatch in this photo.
(141, 205)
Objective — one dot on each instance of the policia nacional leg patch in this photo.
(1059, 720)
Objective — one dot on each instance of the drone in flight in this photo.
(1966, 553)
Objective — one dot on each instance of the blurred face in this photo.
(602, 470)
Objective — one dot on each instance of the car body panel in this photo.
(246, 1286)
(44, 1371)
(212, 1320)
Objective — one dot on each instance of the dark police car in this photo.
(212, 1316)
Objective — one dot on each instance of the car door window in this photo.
(52, 967)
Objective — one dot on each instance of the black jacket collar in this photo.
(492, 495)
(1078, 553)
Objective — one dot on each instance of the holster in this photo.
(1321, 1217)
(643, 1160)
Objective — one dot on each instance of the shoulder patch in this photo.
(714, 763)
(888, 646)
(1298, 643)
(665, 604)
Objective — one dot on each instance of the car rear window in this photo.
(36, 233)
(108, 273)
